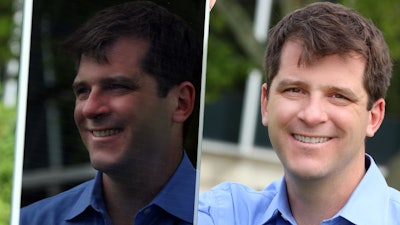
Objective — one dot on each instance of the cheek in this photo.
(348, 119)
(77, 113)
(282, 111)
(277, 119)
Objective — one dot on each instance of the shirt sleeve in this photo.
(216, 206)
(204, 216)
(231, 203)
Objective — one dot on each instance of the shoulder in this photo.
(54, 208)
(231, 191)
(394, 202)
(229, 199)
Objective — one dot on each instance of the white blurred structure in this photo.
(10, 86)
(243, 162)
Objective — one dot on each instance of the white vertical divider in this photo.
(21, 114)
(251, 100)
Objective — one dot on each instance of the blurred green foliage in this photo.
(7, 131)
(384, 14)
(6, 25)
(7, 116)
(228, 65)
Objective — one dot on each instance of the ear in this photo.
(186, 98)
(377, 113)
(264, 105)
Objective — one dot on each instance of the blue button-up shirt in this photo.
(371, 203)
(84, 204)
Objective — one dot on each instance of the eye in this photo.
(338, 96)
(293, 90)
(340, 99)
(81, 91)
(119, 86)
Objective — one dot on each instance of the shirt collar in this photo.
(279, 206)
(177, 196)
(371, 196)
(90, 196)
(359, 209)
(180, 190)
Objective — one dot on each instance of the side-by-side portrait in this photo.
(201, 112)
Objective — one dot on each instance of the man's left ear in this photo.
(377, 113)
(186, 98)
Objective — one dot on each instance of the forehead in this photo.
(331, 69)
(293, 54)
(123, 57)
(309, 54)
(126, 50)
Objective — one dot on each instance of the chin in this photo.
(306, 171)
(102, 162)
(312, 174)
(100, 166)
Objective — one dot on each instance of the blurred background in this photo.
(235, 144)
(10, 34)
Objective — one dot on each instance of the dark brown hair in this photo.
(174, 55)
(325, 29)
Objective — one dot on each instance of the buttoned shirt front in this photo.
(373, 202)
(84, 204)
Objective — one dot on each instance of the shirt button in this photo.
(147, 211)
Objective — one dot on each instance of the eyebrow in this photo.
(78, 84)
(288, 82)
(129, 81)
(120, 79)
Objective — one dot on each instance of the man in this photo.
(139, 68)
(328, 69)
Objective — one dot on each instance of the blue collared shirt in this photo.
(84, 204)
(371, 203)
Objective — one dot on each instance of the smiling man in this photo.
(328, 70)
(139, 68)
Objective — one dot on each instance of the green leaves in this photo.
(7, 132)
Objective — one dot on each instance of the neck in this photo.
(315, 200)
(126, 192)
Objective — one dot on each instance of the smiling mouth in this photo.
(311, 140)
(105, 133)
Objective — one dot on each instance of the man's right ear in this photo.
(264, 104)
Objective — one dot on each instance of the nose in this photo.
(313, 111)
(95, 105)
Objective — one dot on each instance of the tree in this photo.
(7, 116)
(7, 131)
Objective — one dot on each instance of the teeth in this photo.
(104, 133)
(311, 140)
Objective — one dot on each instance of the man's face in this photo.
(118, 112)
(317, 114)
